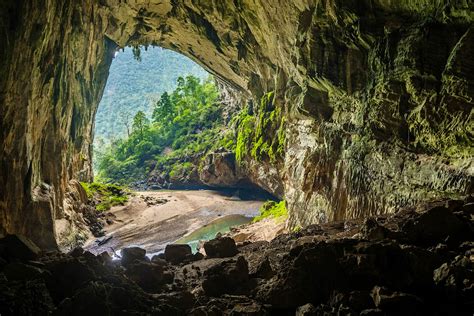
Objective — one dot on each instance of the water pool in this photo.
(221, 225)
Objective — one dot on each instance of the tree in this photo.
(125, 120)
(187, 122)
(163, 110)
(140, 123)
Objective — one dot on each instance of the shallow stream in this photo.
(221, 225)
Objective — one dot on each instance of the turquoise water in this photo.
(221, 225)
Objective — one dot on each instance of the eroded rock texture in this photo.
(377, 96)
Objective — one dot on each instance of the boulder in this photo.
(435, 226)
(18, 247)
(149, 276)
(220, 248)
(177, 253)
(131, 254)
(67, 276)
(226, 277)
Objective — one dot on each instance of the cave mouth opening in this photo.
(126, 125)
(160, 114)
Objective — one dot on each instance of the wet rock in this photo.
(220, 248)
(226, 277)
(177, 253)
(18, 247)
(131, 254)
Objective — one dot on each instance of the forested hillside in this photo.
(183, 126)
(135, 86)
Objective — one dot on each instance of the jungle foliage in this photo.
(183, 124)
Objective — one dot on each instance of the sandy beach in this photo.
(152, 219)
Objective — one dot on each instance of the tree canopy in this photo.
(186, 122)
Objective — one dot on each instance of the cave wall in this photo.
(377, 97)
(56, 63)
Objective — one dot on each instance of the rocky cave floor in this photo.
(409, 263)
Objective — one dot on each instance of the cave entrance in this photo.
(138, 78)
(159, 116)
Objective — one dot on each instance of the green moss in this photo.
(244, 136)
(296, 229)
(104, 195)
(272, 209)
(256, 133)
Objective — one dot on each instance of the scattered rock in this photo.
(321, 270)
(220, 248)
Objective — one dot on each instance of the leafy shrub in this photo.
(105, 196)
(272, 209)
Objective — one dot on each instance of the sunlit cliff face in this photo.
(376, 98)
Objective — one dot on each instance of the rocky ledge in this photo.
(415, 262)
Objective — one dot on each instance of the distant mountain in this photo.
(135, 86)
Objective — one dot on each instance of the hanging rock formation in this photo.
(376, 96)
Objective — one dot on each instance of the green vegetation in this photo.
(272, 209)
(105, 195)
(184, 126)
(134, 86)
(255, 133)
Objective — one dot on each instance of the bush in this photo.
(105, 196)
(272, 209)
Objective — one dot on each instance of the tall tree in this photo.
(163, 110)
(140, 123)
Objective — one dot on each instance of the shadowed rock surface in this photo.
(328, 269)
